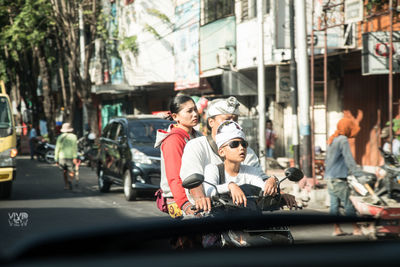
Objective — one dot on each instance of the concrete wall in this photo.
(154, 62)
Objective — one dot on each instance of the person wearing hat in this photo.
(232, 147)
(66, 153)
(200, 152)
(395, 149)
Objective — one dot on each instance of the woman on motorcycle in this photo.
(232, 147)
(183, 111)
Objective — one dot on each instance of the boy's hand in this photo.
(238, 197)
(270, 187)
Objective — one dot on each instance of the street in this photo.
(39, 192)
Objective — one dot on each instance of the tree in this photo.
(67, 23)
(25, 35)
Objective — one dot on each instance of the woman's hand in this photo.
(238, 197)
(270, 187)
(290, 200)
(189, 211)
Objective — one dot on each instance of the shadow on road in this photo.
(40, 181)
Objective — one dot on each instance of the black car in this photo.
(127, 155)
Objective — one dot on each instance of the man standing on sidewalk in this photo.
(66, 152)
(339, 164)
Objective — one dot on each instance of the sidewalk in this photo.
(311, 198)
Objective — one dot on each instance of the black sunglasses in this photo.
(235, 144)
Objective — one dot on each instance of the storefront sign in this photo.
(353, 11)
(375, 53)
(283, 92)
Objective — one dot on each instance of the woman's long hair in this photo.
(176, 105)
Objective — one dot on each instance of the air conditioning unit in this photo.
(224, 58)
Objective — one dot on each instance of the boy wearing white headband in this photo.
(232, 147)
(201, 151)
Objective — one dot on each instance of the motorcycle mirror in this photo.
(193, 181)
(294, 174)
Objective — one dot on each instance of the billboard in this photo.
(375, 53)
(187, 15)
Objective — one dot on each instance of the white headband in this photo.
(227, 131)
(223, 106)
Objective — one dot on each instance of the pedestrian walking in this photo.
(66, 153)
(340, 164)
(270, 137)
(32, 141)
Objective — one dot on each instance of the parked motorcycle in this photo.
(45, 152)
(87, 150)
(390, 184)
(222, 205)
(381, 202)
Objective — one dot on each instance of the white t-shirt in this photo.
(247, 175)
(198, 154)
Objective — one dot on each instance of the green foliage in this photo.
(29, 24)
(395, 126)
(159, 15)
(153, 31)
(130, 43)
(377, 4)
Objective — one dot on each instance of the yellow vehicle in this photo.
(8, 145)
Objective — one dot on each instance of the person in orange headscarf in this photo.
(339, 163)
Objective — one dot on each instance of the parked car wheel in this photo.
(5, 189)
(49, 157)
(129, 192)
(104, 186)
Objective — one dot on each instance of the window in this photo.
(5, 118)
(144, 131)
(106, 131)
(114, 131)
(249, 8)
(5, 114)
(218, 9)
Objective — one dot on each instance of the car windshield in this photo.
(5, 116)
(144, 131)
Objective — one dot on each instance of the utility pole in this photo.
(391, 76)
(82, 61)
(261, 85)
(304, 88)
(293, 89)
(81, 41)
